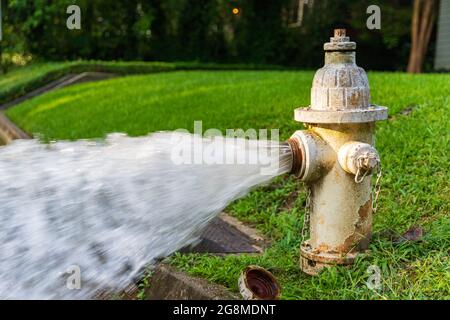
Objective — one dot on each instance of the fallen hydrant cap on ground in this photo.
(256, 283)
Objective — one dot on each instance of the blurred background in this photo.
(264, 32)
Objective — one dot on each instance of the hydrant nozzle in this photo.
(335, 157)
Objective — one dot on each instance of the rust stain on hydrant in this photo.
(336, 157)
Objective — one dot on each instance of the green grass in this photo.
(141, 104)
(414, 151)
(25, 79)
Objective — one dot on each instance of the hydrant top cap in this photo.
(340, 42)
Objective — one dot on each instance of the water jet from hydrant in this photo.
(106, 209)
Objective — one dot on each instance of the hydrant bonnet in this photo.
(340, 92)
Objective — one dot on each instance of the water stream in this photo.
(107, 209)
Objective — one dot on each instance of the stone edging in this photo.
(9, 131)
(167, 283)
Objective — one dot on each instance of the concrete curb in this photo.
(167, 283)
(9, 131)
(227, 235)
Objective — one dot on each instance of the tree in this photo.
(285, 32)
(12, 45)
(424, 15)
(300, 12)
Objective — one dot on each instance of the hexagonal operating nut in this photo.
(356, 156)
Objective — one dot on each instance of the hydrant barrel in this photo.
(338, 157)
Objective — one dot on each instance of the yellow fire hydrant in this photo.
(336, 157)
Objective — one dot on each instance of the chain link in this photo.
(377, 189)
(306, 217)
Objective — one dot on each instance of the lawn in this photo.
(22, 80)
(413, 145)
(25, 79)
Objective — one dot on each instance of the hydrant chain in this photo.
(377, 189)
(306, 217)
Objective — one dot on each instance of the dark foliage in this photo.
(259, 31)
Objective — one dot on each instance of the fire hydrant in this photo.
(336, 157)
